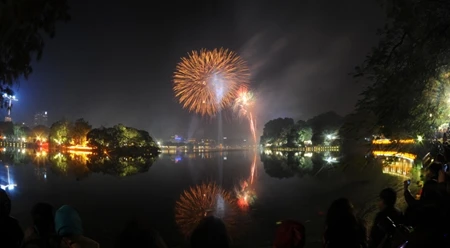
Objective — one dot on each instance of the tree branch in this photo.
(394, 48)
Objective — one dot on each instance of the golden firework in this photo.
(203, 200)
(207, 81)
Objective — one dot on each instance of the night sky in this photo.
(113, 62)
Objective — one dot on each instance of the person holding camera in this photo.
(379, 233)
(430, 193)
(427, 215)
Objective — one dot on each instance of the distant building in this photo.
(176, 139)
(41, 118)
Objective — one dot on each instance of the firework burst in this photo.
(203, 200)
(244, 105)
(207, 81)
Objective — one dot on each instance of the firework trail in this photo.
(246, 195)
(203, 200)
(244, 105)
(207, 81)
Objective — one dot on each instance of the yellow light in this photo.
(404, 155)
(407, 141)
(79, 148)
(387, 141)
(381, 142)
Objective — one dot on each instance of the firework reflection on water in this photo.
(204, 200)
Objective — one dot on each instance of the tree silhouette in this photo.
(22, 26)
(79, 131)
(408, 70)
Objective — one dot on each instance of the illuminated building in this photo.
(176, 139)
(41, 118)
(205, 144)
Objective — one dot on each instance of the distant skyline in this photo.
(113, 62)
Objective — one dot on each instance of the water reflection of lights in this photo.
(245, 193)
(203, 200)
(401, 167)
(10, 185)
(330, 160)
(177, 159)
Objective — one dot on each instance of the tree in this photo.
(273, 129)
(328, 122)
(123, 140)
(21, 131)
(79, 131)
(60, 133)
(297, 134)
(408, 69)
(40, 132)
(22, 26)
(6, 128)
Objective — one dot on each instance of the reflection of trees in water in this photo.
(69, 164)
(203, 200)
(119, 165)
(289, 164)
(14, 156)
(80, 164)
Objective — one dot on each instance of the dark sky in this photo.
(113, 62)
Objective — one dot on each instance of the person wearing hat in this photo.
(69, 229)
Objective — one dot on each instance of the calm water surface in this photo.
(288, 186)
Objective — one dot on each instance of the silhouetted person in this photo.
(136, 235)
(11, 234)
(381, 228)
(69, 229)
(42, 233)
(343, 229)
(290, 234)
(430, 194)
(210, 232)
(428, 214)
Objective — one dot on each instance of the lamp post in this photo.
(10, 99)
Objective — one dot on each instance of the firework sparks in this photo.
(246, 195)
(207, 81)
(201, 201)
(244, 105)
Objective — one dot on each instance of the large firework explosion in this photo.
(244, 105)
(203, 200)
(207, 81)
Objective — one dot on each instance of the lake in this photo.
(298, 186)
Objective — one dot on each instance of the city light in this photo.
(419, 138)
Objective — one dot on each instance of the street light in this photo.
(10, 99)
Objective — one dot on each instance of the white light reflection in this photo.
(10, 183)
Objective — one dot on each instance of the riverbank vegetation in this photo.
(285, 132)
